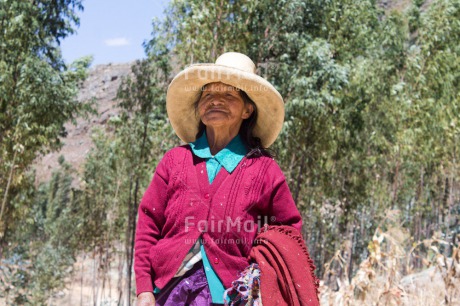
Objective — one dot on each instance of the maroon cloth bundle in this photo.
(287, 271)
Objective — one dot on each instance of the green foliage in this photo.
(37, 91)
(58, 232)
(201, 31)
(44, 250)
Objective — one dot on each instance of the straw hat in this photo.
(234, 69)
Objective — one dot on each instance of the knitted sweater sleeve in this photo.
(149, 225)
(282, 208)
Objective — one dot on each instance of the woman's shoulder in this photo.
(176, 154)
(179, 150)
(272, 174)
(268, 163)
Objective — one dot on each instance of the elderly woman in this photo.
(208, 199)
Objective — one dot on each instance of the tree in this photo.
(37, 91)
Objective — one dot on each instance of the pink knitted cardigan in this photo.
(180, 206)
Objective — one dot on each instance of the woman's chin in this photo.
(216, 118)
(222, 124)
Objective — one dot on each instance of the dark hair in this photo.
(253, 143)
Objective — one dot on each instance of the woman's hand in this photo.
(145, 299)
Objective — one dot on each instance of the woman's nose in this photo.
(218, 99)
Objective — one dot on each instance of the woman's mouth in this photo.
(219, 110)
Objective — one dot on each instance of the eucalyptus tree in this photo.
(429, 90)
(199, 31)
(37, 92)
(143, 127)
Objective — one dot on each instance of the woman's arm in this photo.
(146, 299)
(282, 209)
(149, 224)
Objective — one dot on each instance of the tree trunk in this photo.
(299, 180)
(133, 214)
(120, 278)
(81, 280)
(128, 244)
(350, 260)
(94, 278)
(5, 198)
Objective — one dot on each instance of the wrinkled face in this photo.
(221, 105)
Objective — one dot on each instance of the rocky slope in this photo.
(102, 85)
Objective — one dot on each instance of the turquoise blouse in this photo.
(229, 158)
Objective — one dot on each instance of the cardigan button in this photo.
(206, 196)
(216, 261)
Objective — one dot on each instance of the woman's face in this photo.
(221, 105)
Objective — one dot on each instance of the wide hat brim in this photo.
(185, 88)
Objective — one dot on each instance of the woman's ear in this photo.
(247, 111)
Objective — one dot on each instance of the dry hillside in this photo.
(102, 85)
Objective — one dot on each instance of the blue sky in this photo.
(112, 30)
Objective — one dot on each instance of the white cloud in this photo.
(117, 42)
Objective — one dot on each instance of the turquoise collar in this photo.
(229, 157)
